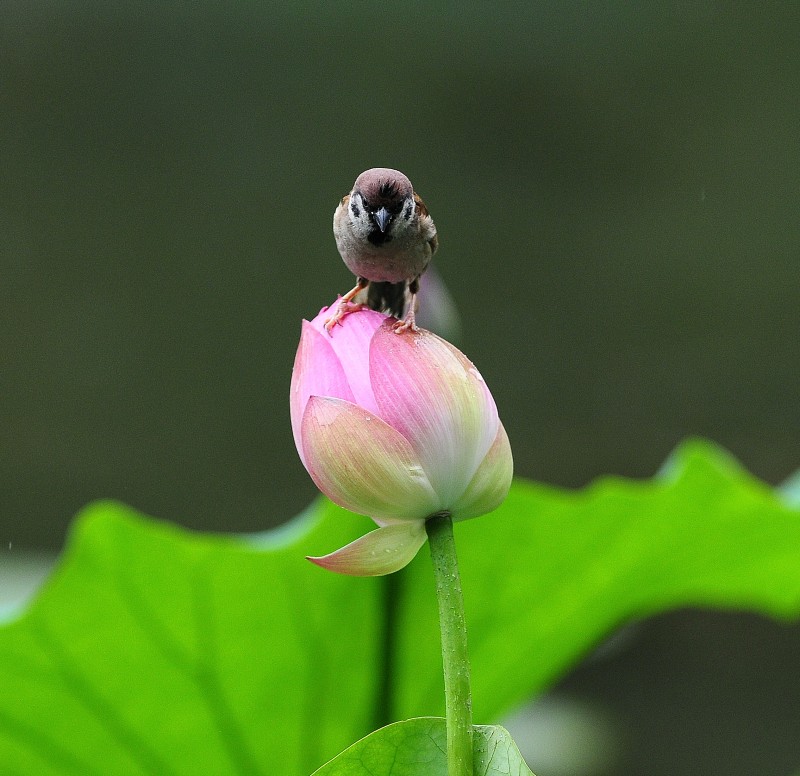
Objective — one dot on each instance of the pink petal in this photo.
(433, 395)
(379, 552)
(317, 372)
(363, 464)
(491, 482)
(350, 341)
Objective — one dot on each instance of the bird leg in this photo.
(345, 305)
(409, 323)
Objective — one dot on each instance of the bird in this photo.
(387, 238)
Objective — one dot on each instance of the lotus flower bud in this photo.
(398, 427)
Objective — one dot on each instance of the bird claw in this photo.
(343, 307)
(407, 324)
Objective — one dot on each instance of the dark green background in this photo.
(615, 185)
(616, 189)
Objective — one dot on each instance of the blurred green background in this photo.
(616, 190)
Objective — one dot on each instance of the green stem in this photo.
(458, 701)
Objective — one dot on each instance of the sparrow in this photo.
(386, 238)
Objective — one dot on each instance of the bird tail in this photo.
(386, 297)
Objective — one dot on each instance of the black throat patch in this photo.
(377, 237)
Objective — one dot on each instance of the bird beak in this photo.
(382, 218)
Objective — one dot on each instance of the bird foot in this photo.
(407, 324)
(343, 307)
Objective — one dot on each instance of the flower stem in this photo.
(458, 700)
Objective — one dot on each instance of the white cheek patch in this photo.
(362, 224)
